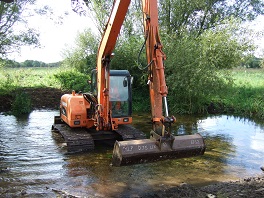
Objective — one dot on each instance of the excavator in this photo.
(105, 112)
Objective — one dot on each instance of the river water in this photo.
(33, 161)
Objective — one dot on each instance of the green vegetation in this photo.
(253, 62)
(27, 63)
(21, 105)
(243, 96)
(11, 79)
(246, 96)
(65, 79)
(72, 80)
(10, 39)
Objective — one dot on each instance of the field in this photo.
(245, 97)
(12, 78)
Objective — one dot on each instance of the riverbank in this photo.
(252, 187)
(41, 98)
(248, 187)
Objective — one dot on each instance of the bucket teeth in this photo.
(149, 150)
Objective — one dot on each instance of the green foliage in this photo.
(176, 16)
(72, 80)
(253, 62)
(10, 39)
(194, 64)
(12, 78)
(246, 96)
(262, 63)
(100, 9)
(126, 57)
(21, 104)
(140, 100)
(6, 63)
(83, 56)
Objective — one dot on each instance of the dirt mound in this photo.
(48, 98)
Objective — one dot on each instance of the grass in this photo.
(246, 96)
(13, 78)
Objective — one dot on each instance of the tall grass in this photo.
(246, 96)
(13, 78)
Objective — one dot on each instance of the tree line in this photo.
(27, 63)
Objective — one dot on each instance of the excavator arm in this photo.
(155, 57)
(162, 144)
(156, 77)
(104, 54)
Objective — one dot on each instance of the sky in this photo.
(54, 38)
(257, 25)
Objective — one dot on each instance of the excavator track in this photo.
(77, 139)
(129, 132)
(81, 139)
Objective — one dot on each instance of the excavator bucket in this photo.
(150, 150)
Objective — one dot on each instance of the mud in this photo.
(248, 187)
(41, 98)
(48, 98)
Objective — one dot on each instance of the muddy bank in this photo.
(248, 187)
(252, 187)
(41, 98)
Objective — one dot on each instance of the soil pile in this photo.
(41, 98)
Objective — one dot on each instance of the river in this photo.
(33, 161)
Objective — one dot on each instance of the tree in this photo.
(100, 10)
(196, 67)
(252, 62)
(197, 16)
(10, 39)
(83, 56)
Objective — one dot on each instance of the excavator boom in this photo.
(162, 144)
(104, 54)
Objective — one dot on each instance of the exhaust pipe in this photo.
(152, 150)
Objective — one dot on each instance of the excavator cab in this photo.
(120, 95)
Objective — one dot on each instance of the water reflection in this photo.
(246, 138)
(34, 163)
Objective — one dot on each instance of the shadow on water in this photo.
(34, 163)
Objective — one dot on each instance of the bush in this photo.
(21, 104)
(73, 80)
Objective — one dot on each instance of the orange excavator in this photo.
(105, 113)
